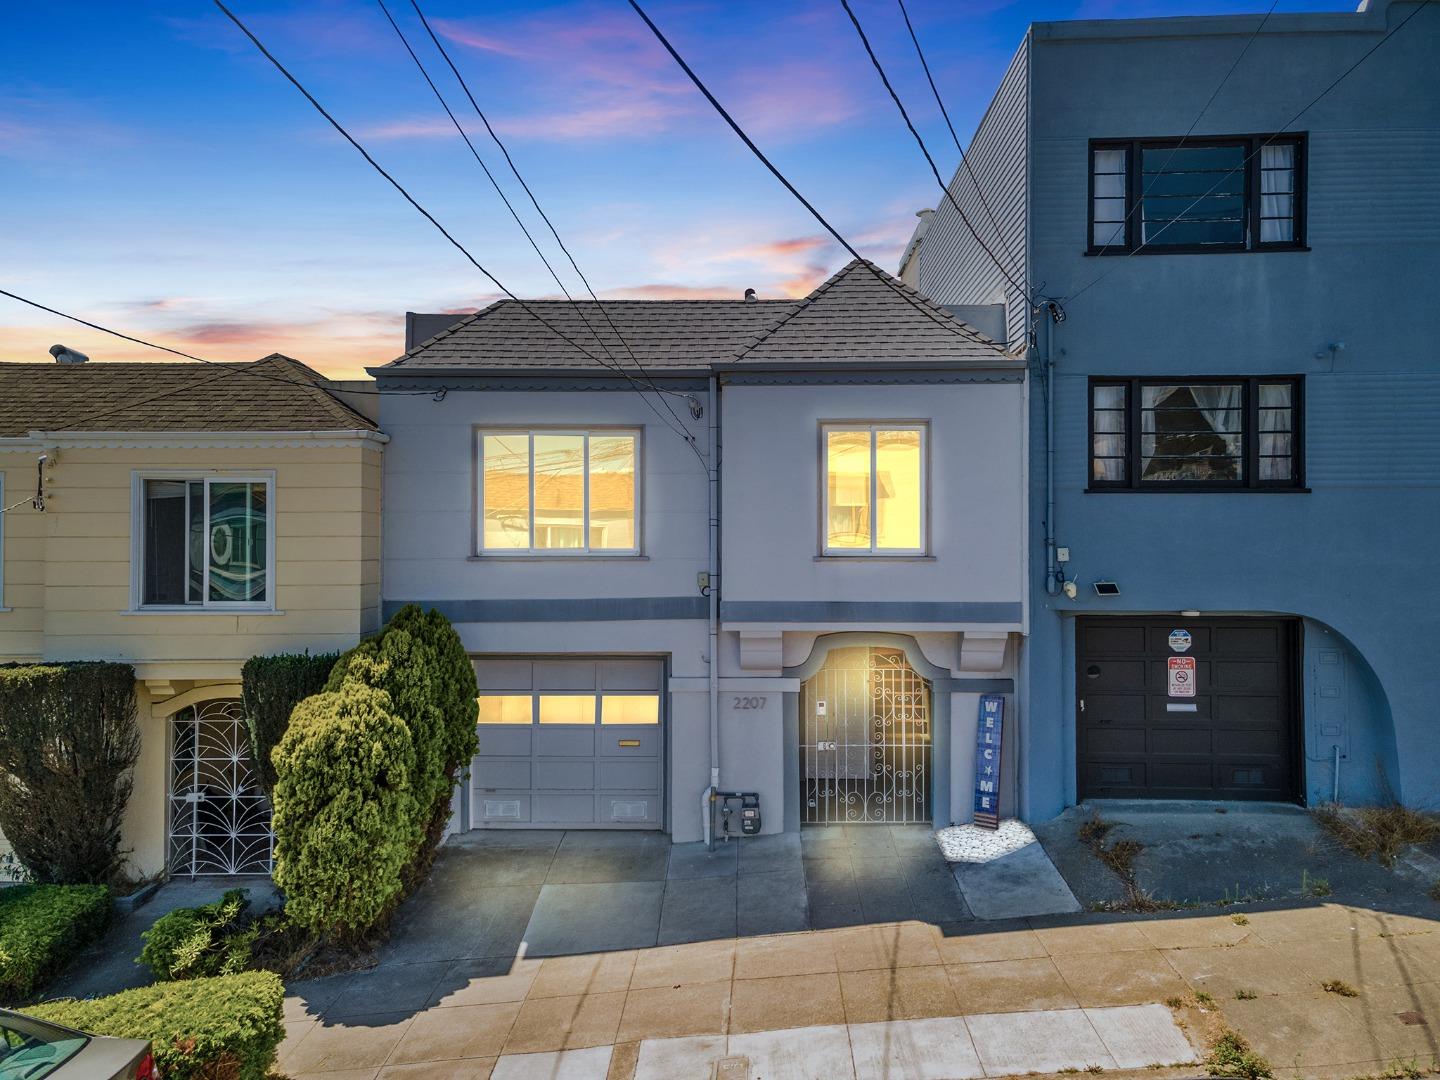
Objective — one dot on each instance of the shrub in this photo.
(68, 744)
(225, 1028)
(213, 939)
(419, 661)
(346, 818)
(270, 688)
(42, 927)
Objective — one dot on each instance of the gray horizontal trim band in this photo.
(975, 686)
(618, 608)
(882, 611)
(459, 382)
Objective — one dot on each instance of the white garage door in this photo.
(569, 743)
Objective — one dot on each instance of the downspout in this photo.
(1046, 362)
(713, 592)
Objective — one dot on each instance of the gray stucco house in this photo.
(1242, 402)
(826, 644)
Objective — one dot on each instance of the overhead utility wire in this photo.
(964, 157)
(899, 290)
(1275, 135)
(433, 220)
(1125, 221)
(465, 86)
(880, 70)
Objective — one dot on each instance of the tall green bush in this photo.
(43, 928)
(419, 661)
(225, 1028)
(346, 818)
(68, 745)
(270, 688)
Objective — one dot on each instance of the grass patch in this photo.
(1317, 887)
(1240, 920)
(1204, 1000)
(1231, 1056)
(1339, 986)
(1378, 832)
(1244, 995)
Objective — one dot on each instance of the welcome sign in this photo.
(988, 734)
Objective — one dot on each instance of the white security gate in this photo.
(219, 815)
(865, 739)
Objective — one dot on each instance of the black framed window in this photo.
(1238, 193)
(1206, 433)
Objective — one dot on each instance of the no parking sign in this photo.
(1181, 676)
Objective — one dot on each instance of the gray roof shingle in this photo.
(859, 315)
(273, 394)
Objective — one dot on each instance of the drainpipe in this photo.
(1046, 363)
(713, 569)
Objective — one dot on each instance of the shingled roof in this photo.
(860, 315)
(273, 394)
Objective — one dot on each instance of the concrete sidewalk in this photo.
(789, 1001)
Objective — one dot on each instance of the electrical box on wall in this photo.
(1329, 712)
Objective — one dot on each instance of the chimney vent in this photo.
(67, 356)
(750, 296)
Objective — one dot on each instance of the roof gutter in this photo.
(192, 439)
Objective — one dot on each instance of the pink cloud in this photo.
(663, 291)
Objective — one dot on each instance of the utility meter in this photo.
(749, 811)
(750, 814)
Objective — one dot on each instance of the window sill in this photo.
(188, 610)
(1198, 490)
(1150, 249)
(529, 556)
(878, 557)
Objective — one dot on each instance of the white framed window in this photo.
(874, 477)
(551, 491)
(203, 540)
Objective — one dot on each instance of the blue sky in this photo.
(160, 177)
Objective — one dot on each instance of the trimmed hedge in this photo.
(190, 943)
(419, 661)
(225, 1028)
(346, 820)
(270, 688)
(69, 741)
(42, 928)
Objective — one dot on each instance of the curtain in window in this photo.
(1219, 404)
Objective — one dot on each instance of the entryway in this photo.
(865, 739)
(1170, 707)
(219, 814)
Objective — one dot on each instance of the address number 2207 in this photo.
(749, 703)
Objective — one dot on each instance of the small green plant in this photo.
(1317, 887)
(1094, 1068)
(1340, 987)
(42, 928)
(1239, 920)
(199, 1029)
(189, 943)
(1204, 999)
(1244, 995)
(1231, 1056)
(1175, 1002)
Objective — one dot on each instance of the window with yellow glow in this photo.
(629, 709)
(505, 709)
(559, 492)
(567, 708)
(874, 488)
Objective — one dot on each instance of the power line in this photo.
(1246, 160)
(884, 279)
(340, 129)
(964, 157)
(1125, 221)
(465, 86)
(895, 97)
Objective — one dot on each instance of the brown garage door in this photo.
(1139, 737)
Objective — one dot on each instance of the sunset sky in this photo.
(158, 176)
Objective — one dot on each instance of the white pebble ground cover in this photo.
(972, 844)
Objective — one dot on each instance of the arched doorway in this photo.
(219, 814)
(865, 739)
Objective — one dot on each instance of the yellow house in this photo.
(183, 518)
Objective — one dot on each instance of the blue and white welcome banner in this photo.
(988, 735)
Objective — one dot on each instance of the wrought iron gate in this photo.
(219, 815)
(865, 739)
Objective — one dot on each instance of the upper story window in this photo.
(1203, 434)
(874, 489)
(554, 492)
(205, 542)
(1233, 194)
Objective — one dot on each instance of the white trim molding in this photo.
(197, 440)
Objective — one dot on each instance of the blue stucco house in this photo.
(1235, 415)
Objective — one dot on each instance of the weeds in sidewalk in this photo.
(1408, 1069)
(1378, 832)
(1231, 1056)
(1317, 887)
(1240, 920)
(1339, 986)
(1119, 858)
(1244, 995)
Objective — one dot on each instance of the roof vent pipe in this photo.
(67, 356)
(750, 296)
